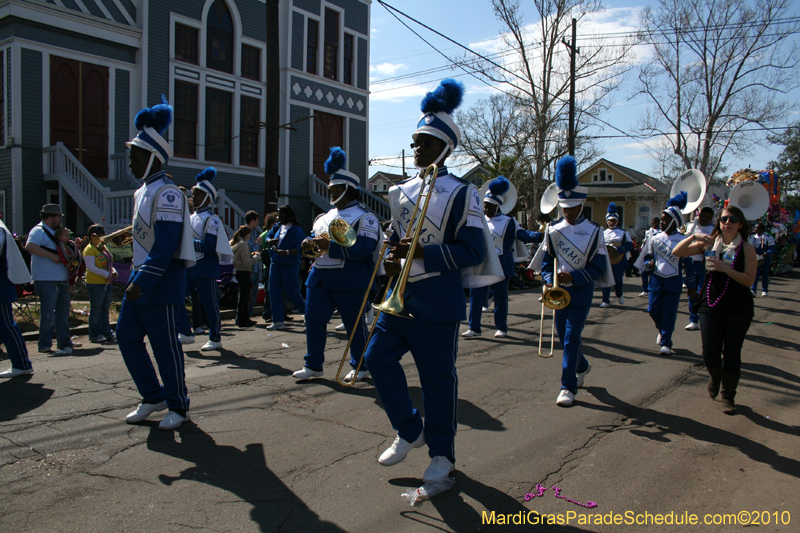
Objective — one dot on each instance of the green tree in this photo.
(788, 163)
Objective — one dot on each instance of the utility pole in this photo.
(272, 130)
(573, 51)
(404, 163)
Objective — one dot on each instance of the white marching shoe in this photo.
(144, 410)
(582, 376)
(621, 300)
(211, 345)
(439, 469)
(565, 398)
(276, 325)
(643, 294)
(500, 334)
(173, 421)
(352, 374)
(764, 293)
(307, 373)
(340, 327)
(692, 326)
(186, 339)
(605, 304)
(15, 372)
(471, 333)
(399, 449)
(665, 350)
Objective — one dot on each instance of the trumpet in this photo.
(394, 304)
(119, 233)
(554, 298)
(340, 232)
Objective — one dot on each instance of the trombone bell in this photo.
(555, 298)
(394, 305)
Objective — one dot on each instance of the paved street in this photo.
(265, 453)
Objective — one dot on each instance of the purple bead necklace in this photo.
(727, 281)
(541, 489)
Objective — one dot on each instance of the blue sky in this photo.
(396, 51)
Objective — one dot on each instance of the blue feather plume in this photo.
(612, 208)
(158, 117)
(499, 186)
(567, 173)
(207, 175)
(679, 200)
(446, 97)
(335, 161)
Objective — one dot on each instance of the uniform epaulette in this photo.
(403, 182)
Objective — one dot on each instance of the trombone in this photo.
(394, 304)
(553, 298)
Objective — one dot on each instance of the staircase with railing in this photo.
(321, 198)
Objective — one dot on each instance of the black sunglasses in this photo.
(731, 219)
(425, 144)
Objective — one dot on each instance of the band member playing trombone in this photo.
(450, 238)
(618, 240)
(581, 260)
(703, 225)
(499, 199)
(340, 275)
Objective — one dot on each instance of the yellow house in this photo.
(639, 197)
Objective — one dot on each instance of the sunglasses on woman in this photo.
(731, 219)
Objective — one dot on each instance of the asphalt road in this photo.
(266, 453)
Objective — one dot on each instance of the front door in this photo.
(328, 132)
(79, 111)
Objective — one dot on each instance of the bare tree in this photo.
(719, 70)
(536, 73)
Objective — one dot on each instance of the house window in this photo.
(219, 117)
(248, 134)
(331, 51)
(312, 45)
(621, 213)
(594, 177)
(347, 71)
(185, 119)
(610, 177)
(2, 105)
(219, 39)
(644, 217)
(186, 44)
(603, 175)
(251, 62)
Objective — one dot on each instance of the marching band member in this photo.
(765, 247)
(582, 260)
(452, 248)
(508, 237)
(284, 240)
(655, 227)
(13, 272)
(340, 276)
(703, 225)
(211, 246)
(666, 283)
(621, 241)
(162, 250)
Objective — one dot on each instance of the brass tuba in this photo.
(340, 232)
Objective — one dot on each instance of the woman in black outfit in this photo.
(725, 303)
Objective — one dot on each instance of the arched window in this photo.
(219, 38)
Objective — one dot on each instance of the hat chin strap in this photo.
(149, 164)
(446, 148)
(334, 202)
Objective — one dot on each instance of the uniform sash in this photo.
(160, 201)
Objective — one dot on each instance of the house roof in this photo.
(655, 186)
(392, 178)
(620, 189)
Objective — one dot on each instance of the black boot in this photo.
(714, 381)
(729, 384)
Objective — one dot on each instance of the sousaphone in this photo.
(693, 183)
(751, 197)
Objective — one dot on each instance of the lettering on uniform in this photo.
(139, 231)
(568, 253)
(404, 215)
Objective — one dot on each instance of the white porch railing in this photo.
(230, 213)
(318, 190)
(121, 170)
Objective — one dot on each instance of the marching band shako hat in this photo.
(204, 183)
(570, 194)
(437, 106)
(152, 123)
(674, 207)
(498, 187)
(334, 167)
(612, 212)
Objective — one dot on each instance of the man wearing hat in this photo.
(13, 272)
(666, 283)
(507, 237)
(51, 281)
(162, 250)
(341, 275)
(622, 243)
(451, 251)
(581, 260)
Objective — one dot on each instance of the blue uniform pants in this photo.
(11, 336)
(434, 347)
(619, 277)
(763, 273)
(319, 308)
(159, 323)
(569, 326)
(478, 298)
(663, 308)
(207, 292)
(284, 279)
(54, 308)
(699, 275)
(646, 280)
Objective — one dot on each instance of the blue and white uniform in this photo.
(622, 242)
(13, 272)
(161, 253)
(453, 239)
(765, 248)
(339, 279)
(698, 265)
(506, 234)
(648, 235)
(284, 270)
(666, 283)
(204, 274)
(581, 251)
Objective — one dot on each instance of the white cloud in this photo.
(387, 69)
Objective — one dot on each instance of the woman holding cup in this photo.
(725, 303)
